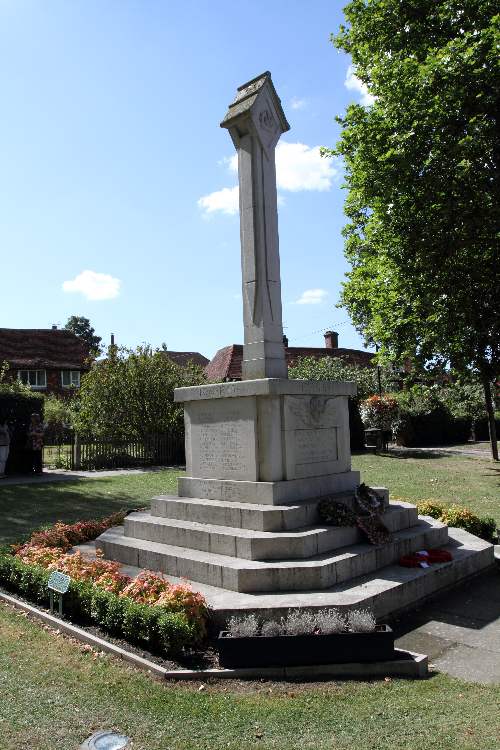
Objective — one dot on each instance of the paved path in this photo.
(61, 475)
(459, 631)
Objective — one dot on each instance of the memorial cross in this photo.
(255, 121)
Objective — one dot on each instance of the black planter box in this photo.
(298, 650)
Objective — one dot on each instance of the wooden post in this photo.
(77, 453)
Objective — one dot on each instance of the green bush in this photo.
(430, 508)
(460, 517)
(16, 408)
(151, 627)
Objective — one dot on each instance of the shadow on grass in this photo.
(39, 505)
(412, 453)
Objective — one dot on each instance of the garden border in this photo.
(415, 666)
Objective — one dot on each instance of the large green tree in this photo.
(82, 328)
(423, 182)
(130, 394)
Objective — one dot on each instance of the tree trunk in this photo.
(491, 419)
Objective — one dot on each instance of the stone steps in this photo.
(385, 591)
(300, 543)
(236, 574)
(258, 517)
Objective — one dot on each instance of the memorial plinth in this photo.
(260, 453)
(270, 441)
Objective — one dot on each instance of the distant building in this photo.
(184, 358)
(226, 364)
(49, 360)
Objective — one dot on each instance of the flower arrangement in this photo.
(379, 412)
(334, 513)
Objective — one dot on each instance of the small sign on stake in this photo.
(58, 583)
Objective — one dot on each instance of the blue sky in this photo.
(112, 162)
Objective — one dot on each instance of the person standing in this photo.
(4, 447)
(35, 438)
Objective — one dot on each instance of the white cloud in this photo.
(312, 297)
(353, 83)
(297, 103)
(94, 286)
(226, 201)
(299, 167)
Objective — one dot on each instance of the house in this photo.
(184, 358)
(49, 360)
(226, 364)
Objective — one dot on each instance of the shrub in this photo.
(460, 517)
(271, 628)
(429, 508)
(243, 627)
(150, 626)
(330, 621)
(17, 404)
(361, 621)
(300, 623)
(379, 411)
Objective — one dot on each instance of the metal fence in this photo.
(75, 453)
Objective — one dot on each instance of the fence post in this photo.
(77, 453)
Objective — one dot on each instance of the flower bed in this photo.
(148, 611)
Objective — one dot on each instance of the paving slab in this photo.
(471, 664)
(460, 630)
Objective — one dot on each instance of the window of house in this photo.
(70, 378)
(33, 378)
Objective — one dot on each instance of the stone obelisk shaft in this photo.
(255, 121)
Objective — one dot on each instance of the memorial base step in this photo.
(299, 543)
(237, 574)
(387, 591)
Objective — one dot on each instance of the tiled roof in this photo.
(226, 364)
(182, 358)
(42, 347)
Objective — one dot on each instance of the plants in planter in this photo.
(323, 637)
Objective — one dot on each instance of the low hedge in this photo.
(150, 627)
(460, 517)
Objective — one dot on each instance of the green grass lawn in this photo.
(55, 701)
(24, 508)
(450, 479)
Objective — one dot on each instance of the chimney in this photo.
(285, 341)
(112, 339)
(331, 340)
(54, 327)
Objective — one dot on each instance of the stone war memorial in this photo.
(261, 454)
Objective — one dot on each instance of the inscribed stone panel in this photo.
(223, 438)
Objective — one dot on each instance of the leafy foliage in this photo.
(152, 608)
(459, 517)
(334, 368)
(422, 178)
(379, 411)
(131, 394)
(82, 328)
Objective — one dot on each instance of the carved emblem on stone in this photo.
(266, 121)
